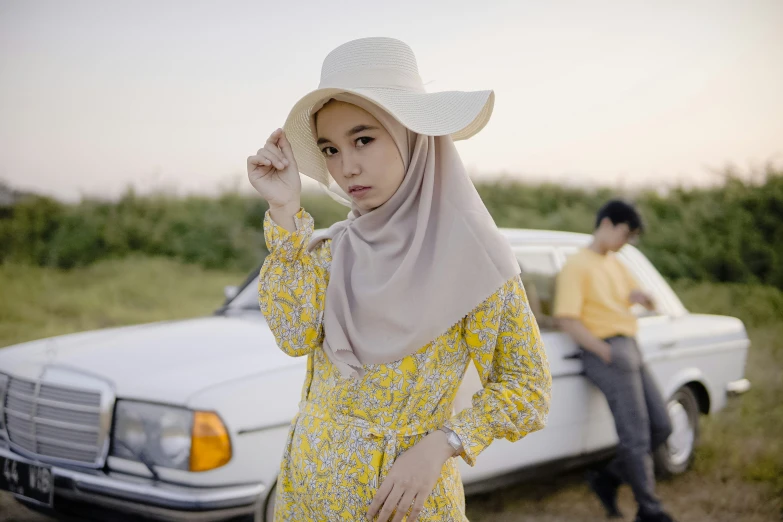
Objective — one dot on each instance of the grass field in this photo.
(39, 303)
(738, 472)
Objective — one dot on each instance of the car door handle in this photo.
(576, 355)
(669, 344)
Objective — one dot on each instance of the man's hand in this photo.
(604, 353)
(585, 339)
(639, 297)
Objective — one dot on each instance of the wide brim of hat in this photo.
(450, 113)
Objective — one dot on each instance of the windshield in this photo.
(247, 297)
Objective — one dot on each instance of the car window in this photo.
(246, 296)
(539, 271)
(568, 251)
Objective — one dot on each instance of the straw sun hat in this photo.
(384, 71)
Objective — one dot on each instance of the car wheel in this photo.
(676, 455)
(269, 508)
(263, 510)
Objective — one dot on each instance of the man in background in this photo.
(593, 300)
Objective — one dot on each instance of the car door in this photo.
(562, 435)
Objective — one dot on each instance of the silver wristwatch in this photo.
(454, 440)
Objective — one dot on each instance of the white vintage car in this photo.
(186, 420)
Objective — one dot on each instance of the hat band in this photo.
(373, 78)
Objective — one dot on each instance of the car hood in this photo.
(163, 362)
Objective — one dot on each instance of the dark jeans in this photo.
(640, 417)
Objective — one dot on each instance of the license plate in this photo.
(28, 481)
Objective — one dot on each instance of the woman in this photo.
(391, 304)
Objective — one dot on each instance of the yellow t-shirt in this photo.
(596, 290)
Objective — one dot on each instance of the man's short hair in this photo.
(619, 211)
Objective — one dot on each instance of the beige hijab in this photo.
(406, 272)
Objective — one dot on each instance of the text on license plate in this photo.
(25, 480)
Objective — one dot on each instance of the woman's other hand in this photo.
(411, 479)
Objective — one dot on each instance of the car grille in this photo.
(54, 421)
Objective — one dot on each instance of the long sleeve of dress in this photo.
(292, 285)
(506, 348)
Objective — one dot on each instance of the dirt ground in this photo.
(565, 498)
(689, 498)
(12, 511)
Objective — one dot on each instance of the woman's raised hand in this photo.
(274, 174)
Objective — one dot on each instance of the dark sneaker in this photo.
(657, 517)
(605, 488)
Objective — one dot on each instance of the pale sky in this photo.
(97, 95)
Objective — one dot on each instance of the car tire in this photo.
(263, 510)
(675, 456)
(269, 505)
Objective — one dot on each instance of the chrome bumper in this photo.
(737, 387)
(132, 495)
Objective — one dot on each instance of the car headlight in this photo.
(170, 437)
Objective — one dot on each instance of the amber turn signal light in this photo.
(211, 446)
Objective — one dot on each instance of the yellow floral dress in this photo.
(349, 432)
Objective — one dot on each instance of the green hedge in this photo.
(732, 232)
